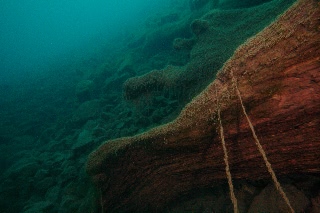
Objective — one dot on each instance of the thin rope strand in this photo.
(226, 161)
(270, 170)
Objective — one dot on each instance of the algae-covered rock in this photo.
(183, 44)
(217, 34)
(199, 26)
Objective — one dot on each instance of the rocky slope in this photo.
(278, 75)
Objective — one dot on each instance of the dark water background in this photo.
(38, 34)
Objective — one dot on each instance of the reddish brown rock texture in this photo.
(278, 74)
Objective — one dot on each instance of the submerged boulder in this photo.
(278, 75)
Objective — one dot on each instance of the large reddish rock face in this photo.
(278, 75)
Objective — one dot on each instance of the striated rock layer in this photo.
(278, 75)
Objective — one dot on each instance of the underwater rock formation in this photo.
(278, 75)
(199, 26)
(216, 36)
